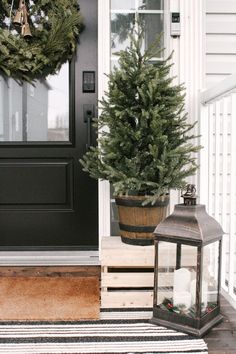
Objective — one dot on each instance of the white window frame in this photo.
(136, 11)
(103, 68)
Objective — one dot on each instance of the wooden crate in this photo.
(128, 273)
(125, 281)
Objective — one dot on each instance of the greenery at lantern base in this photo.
(144, 144)
(55, 27)
(167, 304)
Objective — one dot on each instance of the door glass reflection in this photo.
(121, 25)
(35, 113)
(150, 4)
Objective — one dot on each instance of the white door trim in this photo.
(103, 68)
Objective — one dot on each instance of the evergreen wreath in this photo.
(55, 27)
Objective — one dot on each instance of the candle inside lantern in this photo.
(181, 293)
(182, 298)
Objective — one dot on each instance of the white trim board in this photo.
(103, 68)
(48, 258)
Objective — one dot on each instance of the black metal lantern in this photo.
(187, 269)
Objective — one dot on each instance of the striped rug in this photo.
(130, 333)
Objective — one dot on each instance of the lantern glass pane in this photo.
(176, 285)
(166, 267)
(185, 282)
(210, 278)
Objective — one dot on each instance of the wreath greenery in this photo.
(55, 27)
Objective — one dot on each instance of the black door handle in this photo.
(89, 121)
(88, 112)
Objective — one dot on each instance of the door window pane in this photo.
(39, 112)
(150, 4)
(122, 4)
(58, 106)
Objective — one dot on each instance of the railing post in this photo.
(224, 182)
(203, 156)
(232, 228)
(217, 136)
(211, 151)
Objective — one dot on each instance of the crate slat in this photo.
(134, 280)
(118, 254)
(119, 299)
(122, 280)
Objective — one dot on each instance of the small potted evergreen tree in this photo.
(144, 143)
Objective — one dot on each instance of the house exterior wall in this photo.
(188, 59)
(217, 162)
(220, 40)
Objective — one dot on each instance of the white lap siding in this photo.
(220, 40)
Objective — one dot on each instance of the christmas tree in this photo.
(145, 142)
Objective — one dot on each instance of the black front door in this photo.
(46, 201)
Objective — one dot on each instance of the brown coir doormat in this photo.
(49, 293)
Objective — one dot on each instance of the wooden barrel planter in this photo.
(137, 222)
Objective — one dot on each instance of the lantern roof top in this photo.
(189, 224)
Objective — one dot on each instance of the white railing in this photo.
(218, 171)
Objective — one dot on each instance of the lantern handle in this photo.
(190, 196)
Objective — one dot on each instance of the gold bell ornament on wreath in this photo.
(18, 19)
(25, 30)
(21, 19)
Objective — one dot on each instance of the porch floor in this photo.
(222, 338)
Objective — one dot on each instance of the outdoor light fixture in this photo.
(187, 269)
